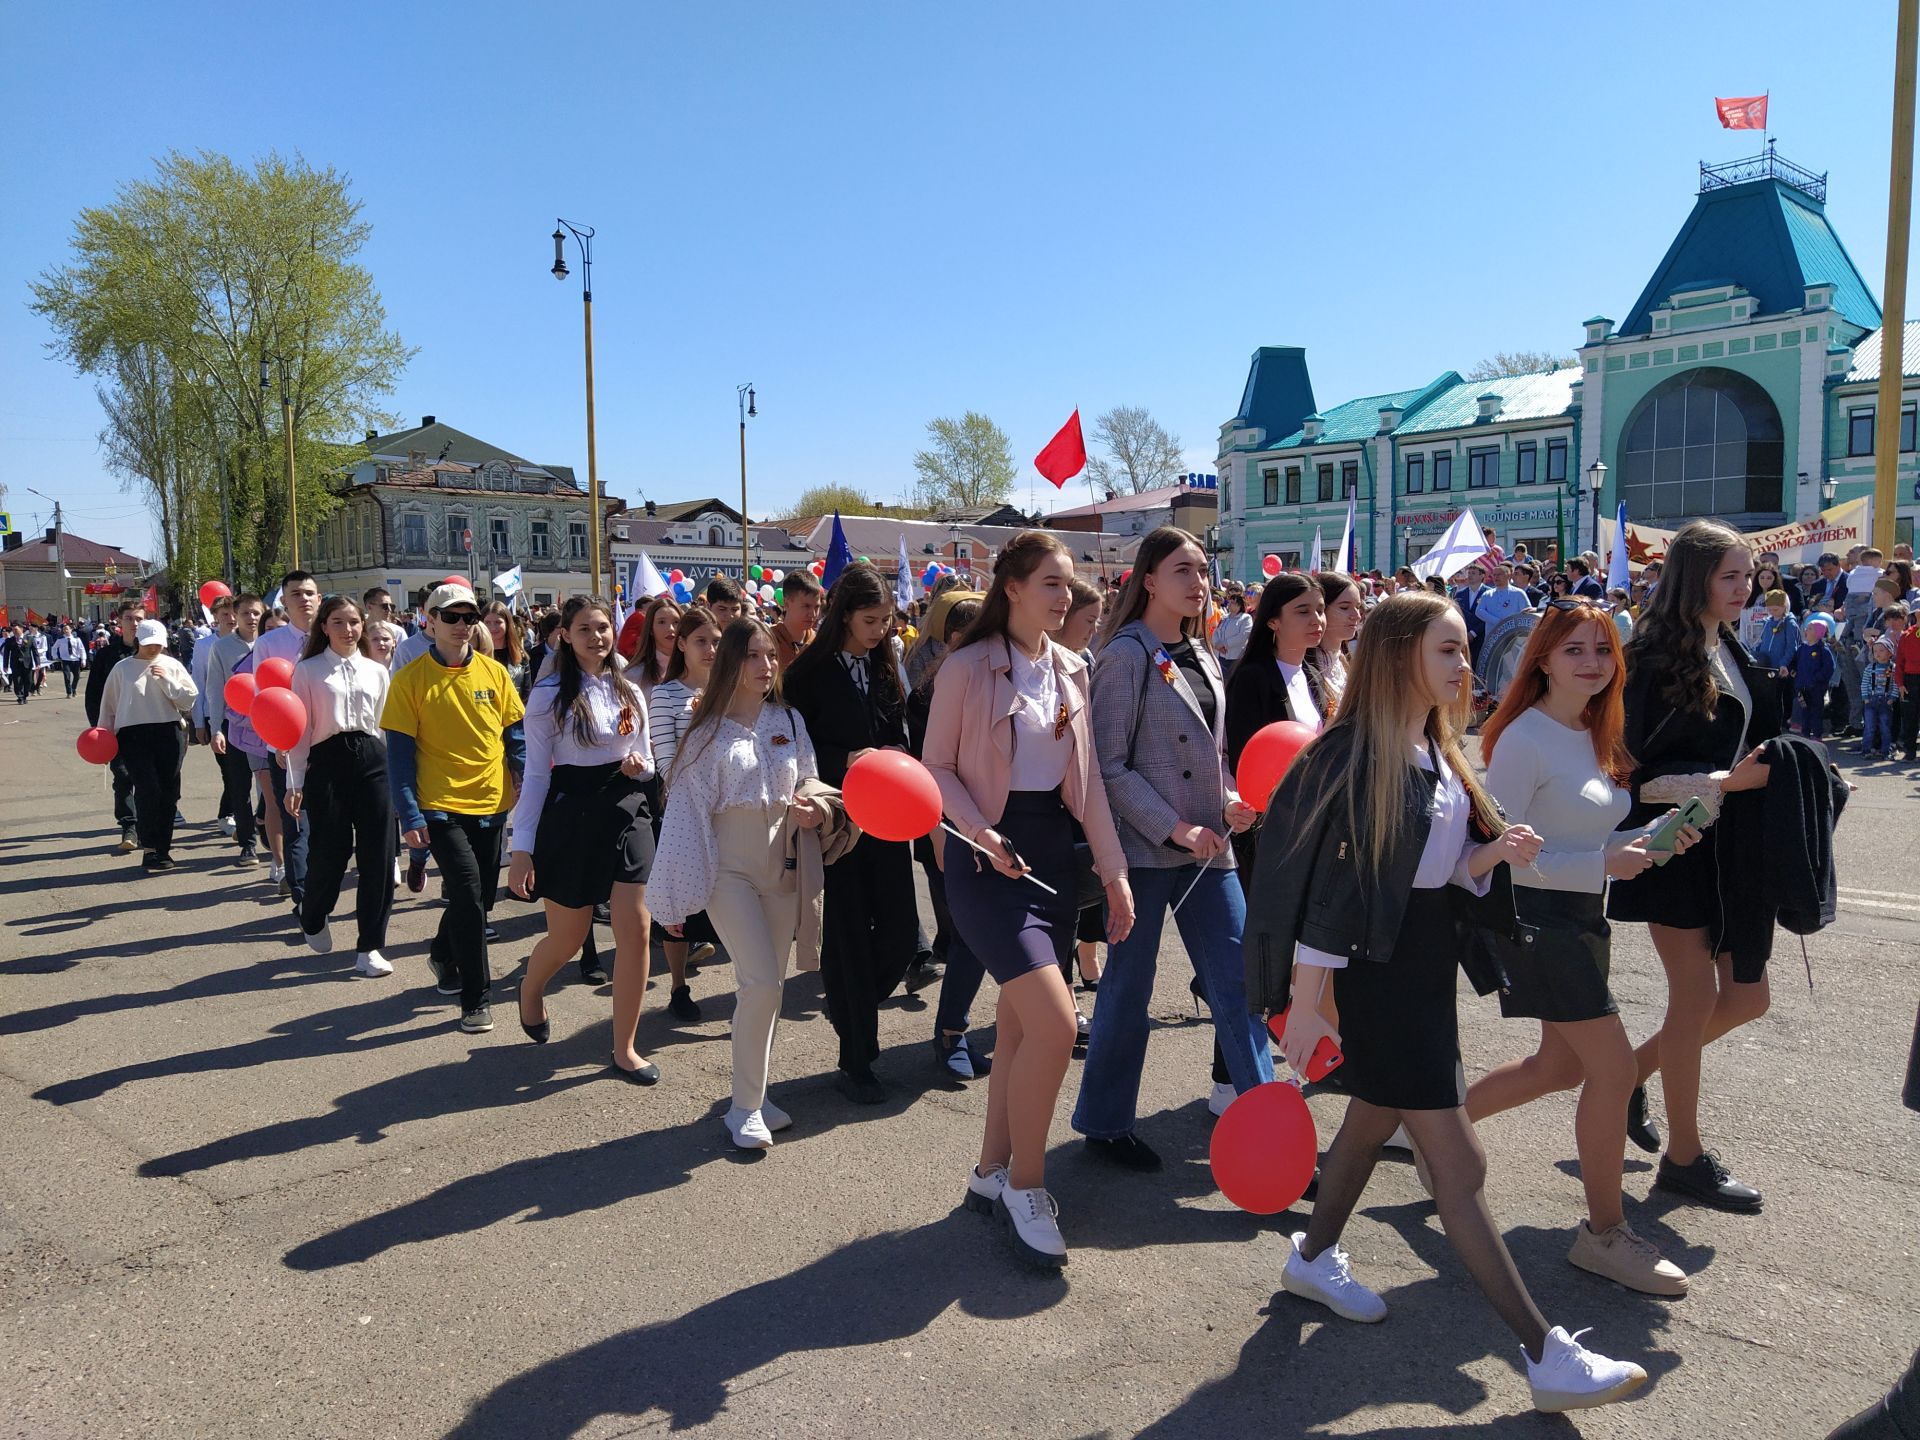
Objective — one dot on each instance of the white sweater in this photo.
(136, 697)
(1547, 777)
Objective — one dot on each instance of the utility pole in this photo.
(59, 549)
(1893, 315)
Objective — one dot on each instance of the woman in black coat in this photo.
(1277, 678)
(846, 689)
(1698, 707)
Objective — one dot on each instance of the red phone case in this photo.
(1326, 1056)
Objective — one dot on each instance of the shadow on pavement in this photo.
(872, 1291)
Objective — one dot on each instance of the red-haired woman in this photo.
(1557, 764)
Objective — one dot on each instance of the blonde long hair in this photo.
(1376, 708)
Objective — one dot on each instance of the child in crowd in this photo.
(1812, 674)
(1905, 637)
(1775, 646)
(1879, 688)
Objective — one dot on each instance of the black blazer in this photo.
(1257, 697)
(839, 718)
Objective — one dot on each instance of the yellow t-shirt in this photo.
(455, 718)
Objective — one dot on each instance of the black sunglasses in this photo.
(458, 617)
(1577, 602)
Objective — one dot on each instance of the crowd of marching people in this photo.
(681, 775)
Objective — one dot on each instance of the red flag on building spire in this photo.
(1065, 455)
(1742, 112)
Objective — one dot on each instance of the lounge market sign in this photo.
(1501, 517)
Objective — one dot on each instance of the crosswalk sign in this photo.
(6, 522)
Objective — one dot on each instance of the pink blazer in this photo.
(969, 747)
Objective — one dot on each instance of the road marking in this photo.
(1881, 904)
(1878, 894)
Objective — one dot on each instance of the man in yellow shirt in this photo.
(452, 721)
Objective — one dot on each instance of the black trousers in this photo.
(467, 850)
(293, 833)
(868, 932)
(1910, 715)
(236, 791)
(123, 808)
(152, 754)
(350, 811)
(71, 670)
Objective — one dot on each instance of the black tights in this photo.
(1459, 1169)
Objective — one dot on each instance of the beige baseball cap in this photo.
(450, 594)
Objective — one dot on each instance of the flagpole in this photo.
(1886, 447)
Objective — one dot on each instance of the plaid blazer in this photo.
(1162, 764)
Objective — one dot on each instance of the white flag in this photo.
(1347, 560)
(1313, 560)
(508, 582)
(647, 581)
(1463, 544)
(903, 582)
(1619, 571)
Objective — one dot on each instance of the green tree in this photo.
(819, 500)
(174, 295)
(1503, 363)
(1141, 455)
(968, 462)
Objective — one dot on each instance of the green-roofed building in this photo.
(1739, 387)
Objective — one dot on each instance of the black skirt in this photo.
(1014, 927)
(1561, 973)
(594, 833)
(1398, 1028)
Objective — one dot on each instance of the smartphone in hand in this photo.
(1326, 1057)
(1667, 833)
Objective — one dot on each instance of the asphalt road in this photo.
(248, 1195)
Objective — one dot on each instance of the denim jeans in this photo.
(1810, 713)
(1879, 724)
(960, 982)
(1211, 922)
(293, 834)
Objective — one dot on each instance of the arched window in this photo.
(716, 535)
(1707, 442)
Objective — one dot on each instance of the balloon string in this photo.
(1028, 875)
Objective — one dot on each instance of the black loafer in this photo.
(862, 1088)
(647, 1073)
(1707, 1182)
(1129, 1152)
(681, 1004)
(1640, 1129)
(540, 1033)
(594, 976)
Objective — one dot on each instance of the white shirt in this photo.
(342, 693)
(1729, 678)
(412, 648)
(1041, 748)
(283, 642)
(134, 696)
(1230, 635)
(619, 730)
(1299, 694)
(1442, 862)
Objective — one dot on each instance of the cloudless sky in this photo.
(880, 213)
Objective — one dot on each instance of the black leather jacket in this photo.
(1306, 887)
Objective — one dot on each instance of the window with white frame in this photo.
(537, 545)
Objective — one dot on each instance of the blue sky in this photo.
(880, 213)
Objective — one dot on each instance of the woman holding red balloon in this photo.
(1380, 832)
(847, 689)
(1010, 742)
(1160, 717)
(145, 706)
(230, 691)
(337, 776)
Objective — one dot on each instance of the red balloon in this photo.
(818, 569)
(891, 795)
(97, 746)
(279, 718)
(274, 673)
(1264, 1149)
(211, 591)
(239, 692)
(1266, 758)
(456, 580)
(1271, 566)
(674, 577)
(1125, 573)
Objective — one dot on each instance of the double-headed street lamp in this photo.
(286, 427)
(744, 393)
(583, 237)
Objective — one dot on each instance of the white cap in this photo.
(450, 594)
(150, 632)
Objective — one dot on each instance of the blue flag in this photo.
(839, 554)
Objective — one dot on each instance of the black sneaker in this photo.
(681, 1004)
(446, 978)
(247, 859)
(157, 863)
(923, 972)
(1129, 1152)
(1708, 1182)
(128, 842)
(861, 1087)
(478, 1020)
(489, 932)
(594, 974)
(1640, 1128)
(416, 873)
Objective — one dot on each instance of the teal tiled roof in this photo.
(1823, 257)
(1866, 355)
(1522, 397)
(1355, 420)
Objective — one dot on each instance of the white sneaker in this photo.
(276, 872)
(1222, 1097)
(776, 1118)
(748, 1129)
(1330, 1281)
(321, 940)
(398, 879)
(372, 964)
(1033, 1219)
(983, 1190)
(226, 825)
(1571, 1377)
(1083, 1028)
(1399, 1141)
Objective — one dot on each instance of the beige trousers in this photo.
(755, 909)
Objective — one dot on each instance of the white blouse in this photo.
(341, 693)
(1299, 695)
(1442, 862)
(727, 766)
(619, 730)
(1041, 747)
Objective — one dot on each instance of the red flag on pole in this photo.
(1742, 112)
(1065, 455)
(152, 601)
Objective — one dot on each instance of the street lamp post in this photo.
(286, 429)
(1829, 487)
(583, 237)
(744, 394)
(1597, 478)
